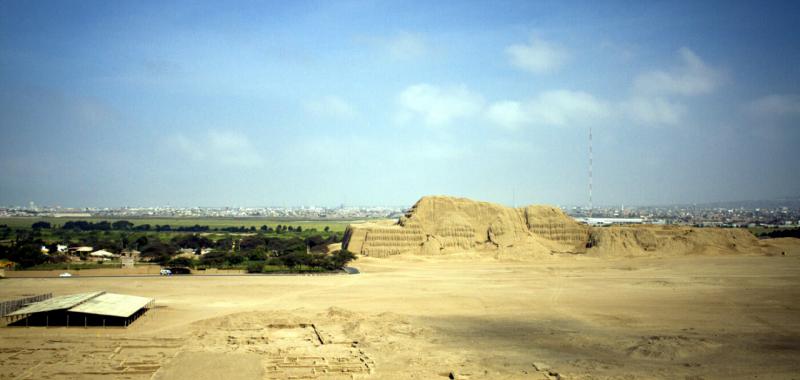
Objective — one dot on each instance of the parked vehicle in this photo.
(166, 272)
(65, 274)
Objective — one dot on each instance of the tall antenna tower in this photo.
(591, 207)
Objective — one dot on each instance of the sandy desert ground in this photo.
(462, 315)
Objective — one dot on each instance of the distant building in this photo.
(102, 255)
(610, 221)
(72, 215)
(127, 261)
(83, 249)
(130, 253)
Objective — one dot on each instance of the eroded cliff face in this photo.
(440, 224)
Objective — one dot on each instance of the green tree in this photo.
(315, 240)
(40, 225)
(159, 252)
(140, 242)
(255, 267)
(192, 241)
(235, 259)
(122, 225)
(28, 255)
(214, 259)
(258, 254)
(341, 258)
(183, 262)
(224, 244)
(251, 242)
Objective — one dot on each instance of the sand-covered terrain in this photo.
(455, 289)
(475, 316)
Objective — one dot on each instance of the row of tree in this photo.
(334, 261)
(124, 225)
(789, 232)
(227, 250)
(25, 255)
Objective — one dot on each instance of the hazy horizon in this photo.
(106, 104)
(792, 200)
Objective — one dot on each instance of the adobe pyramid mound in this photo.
(439, 224)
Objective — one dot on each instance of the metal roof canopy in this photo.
(110, 304)
(56, 303)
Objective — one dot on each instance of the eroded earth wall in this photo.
(437, 224)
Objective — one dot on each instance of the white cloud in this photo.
(561, 107)
(550, 108)
(226, 147)
(653, 111)
(507, 114)
(437, 150)
(331, 106)
(188, 148)
(693, 77)
(437, 106)
(775, 105)
(407, 46)
(538, 56)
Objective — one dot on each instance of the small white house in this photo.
(102, 254)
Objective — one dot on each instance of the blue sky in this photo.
(378, 103)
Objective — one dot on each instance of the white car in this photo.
(166, 272)
(65, 274)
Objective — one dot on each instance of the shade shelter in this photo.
(83, 310)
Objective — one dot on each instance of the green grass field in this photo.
(335, 225)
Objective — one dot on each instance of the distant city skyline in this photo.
(106, 104)
(791, 202)
(785, 213)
